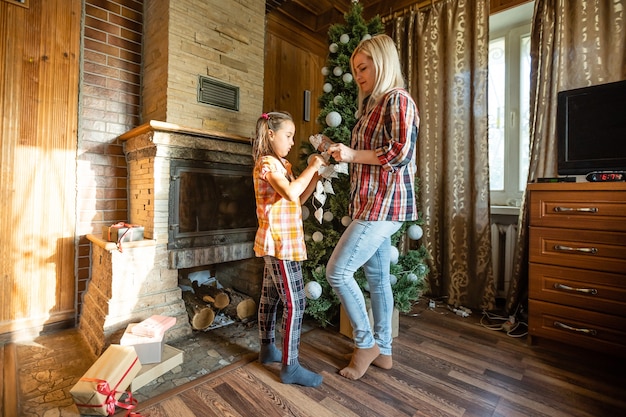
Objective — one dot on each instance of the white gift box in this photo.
(154, 325)
(149, 349)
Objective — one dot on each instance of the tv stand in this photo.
(556, 179)
(577, 264)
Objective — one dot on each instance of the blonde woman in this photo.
(382, 174)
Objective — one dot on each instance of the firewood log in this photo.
(200, 314)
(241, 307)
(216, 297)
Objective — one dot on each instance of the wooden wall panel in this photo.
(39, 48)
(293, 63)
(501, 5)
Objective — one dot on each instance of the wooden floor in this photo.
(444, 365)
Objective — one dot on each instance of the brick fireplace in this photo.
(143, 278)
(183, 42)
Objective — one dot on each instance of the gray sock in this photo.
(296, 374)
(269, 354)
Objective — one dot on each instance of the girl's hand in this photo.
(316, 161)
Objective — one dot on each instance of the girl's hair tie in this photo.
(265, 116)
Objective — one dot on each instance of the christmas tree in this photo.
(326, 214)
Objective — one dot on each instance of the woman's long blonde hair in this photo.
(382, 50)
(261, 145)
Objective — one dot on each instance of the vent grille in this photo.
(218, 94)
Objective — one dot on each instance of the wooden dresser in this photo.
(577, 269)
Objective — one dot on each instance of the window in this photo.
(509, 104)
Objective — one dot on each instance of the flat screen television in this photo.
(591, 129)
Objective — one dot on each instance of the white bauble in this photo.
(347, 78)
(319, 269)
(415, 232)
(337, 71)
(366, 286)
(318, 237)
(313, 290)
(333, 119)
(346, 220)
(307, 237)
(345, 38)
(393, 279)
(366, 37)
(328, 87)
(393, 255)
(305, 212)
(333, 47)
(411, 277)
(328, 216)
(421, 268)
(325, 71)
(337, 100)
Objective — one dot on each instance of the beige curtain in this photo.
(444, 50)
(575, 43)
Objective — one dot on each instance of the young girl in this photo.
(280, 241)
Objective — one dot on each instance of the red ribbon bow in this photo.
(103, 387)
(119, 225)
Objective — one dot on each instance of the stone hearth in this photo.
(141, 280)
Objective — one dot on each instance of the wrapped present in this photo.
(154, 326)
(100, 388)
(172, 357)
(149, 349)
(122, 232)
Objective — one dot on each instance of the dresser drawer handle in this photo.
(560, 325)
(591, 291)
(571, 249)
(578, 209)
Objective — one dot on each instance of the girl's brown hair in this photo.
(268, 121)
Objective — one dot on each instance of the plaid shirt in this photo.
(280, 232)
(386, 192)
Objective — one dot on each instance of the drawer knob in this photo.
(564, 326)
(564, 287)
(571, 249)
(578, 209)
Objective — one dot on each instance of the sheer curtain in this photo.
(444, 50)
(575, 43)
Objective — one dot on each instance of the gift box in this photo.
(154, 326)
(98, 391)
(149, 349)
(172, 357)
(122, 233)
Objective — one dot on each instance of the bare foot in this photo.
(381, 361)
(361, 360)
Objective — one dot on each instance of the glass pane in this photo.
(496, 91)
(524, 134)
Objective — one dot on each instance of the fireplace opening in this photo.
(210, 204)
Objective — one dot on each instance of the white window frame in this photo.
(512, 34)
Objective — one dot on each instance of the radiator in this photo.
(503, 241)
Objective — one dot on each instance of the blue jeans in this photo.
(367, 244)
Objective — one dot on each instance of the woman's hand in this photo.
(341, 152)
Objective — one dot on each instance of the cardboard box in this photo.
(149, 349)
(172, 357)
(154, 326)
(113, 234)
(106, 380)
(345, 327)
